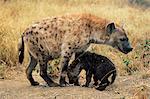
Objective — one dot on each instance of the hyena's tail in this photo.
(114, 74)
(21, 50)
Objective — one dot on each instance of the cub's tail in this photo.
(21, 50)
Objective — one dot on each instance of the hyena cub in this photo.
(64, 35)
(97, 65)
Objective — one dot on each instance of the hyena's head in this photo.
(117, 38)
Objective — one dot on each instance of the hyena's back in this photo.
(48, 36)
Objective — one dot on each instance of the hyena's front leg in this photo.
(64, 67)
(65, 58)
(43, 73)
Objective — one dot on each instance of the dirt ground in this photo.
(125, 87)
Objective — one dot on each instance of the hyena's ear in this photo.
(110, 28)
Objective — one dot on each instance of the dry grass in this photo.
(17, 15)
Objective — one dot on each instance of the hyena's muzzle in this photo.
(124, 45)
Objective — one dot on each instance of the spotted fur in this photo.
(64, 35)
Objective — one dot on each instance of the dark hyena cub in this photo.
(100, 66)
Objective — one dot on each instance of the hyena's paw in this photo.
(101, 88)
(53, 84)
(63, 83)
(35, 83)
(77, 84)
(84, 85)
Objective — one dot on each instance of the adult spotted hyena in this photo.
(65, 35)
(97, 65)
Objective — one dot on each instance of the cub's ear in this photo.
(110, 28)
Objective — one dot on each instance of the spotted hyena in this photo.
(97, 65)
(65, 35)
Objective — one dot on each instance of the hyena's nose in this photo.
(129, 49)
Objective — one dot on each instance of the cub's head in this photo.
(73, 73)
(117, 38)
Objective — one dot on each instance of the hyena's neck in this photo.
(93, 40)
(97, 30)
(99, 37)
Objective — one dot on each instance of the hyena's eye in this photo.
(123, 39)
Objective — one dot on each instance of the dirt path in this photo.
(125, 87)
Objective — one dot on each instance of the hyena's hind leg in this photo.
(32, 64)
(43, 73)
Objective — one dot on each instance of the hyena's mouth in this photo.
(121, 50)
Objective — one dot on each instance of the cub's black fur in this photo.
(100, 66)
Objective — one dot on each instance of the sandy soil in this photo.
(125, 87)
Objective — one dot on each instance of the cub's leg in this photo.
(104, 83)
(88, 78)
(95, 80)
